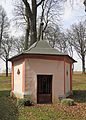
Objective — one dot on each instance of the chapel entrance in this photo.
(44, 88)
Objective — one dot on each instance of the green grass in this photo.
(79, 82)
(5, 83)
(79, 87)
(9, 110)
(45, 112)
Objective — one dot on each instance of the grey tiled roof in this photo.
(43, 47)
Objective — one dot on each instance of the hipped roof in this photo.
(42, 48)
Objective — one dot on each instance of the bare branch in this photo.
(28, 8)
(40, 3)
(3, 59)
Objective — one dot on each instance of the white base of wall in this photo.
(28, 96)
(20, 95)
(68, 94)
(17, 95)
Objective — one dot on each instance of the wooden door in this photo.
(44, 88)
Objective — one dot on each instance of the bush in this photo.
(74, 92)
(24, 102)
(67, 101)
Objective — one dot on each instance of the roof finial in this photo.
(42, 30)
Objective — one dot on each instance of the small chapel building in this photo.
(42, 73)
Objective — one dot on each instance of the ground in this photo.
(9, 110)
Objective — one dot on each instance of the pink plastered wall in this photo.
(18, 67)
(35, 67)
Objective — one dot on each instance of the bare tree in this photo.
(51, 34)
(29, 14)
(4, 24)
(6, 49)
(77, 37)
(56, 38)
(5, 41)
(32, 14)
(18, 44)
(22, 20)
(49, 10)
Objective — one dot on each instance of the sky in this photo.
(72, 14)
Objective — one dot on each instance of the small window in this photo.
(18, 71)
(67, 72)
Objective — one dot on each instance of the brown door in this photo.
(44, 88)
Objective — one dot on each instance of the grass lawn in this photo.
(79, 87)
(9, 110)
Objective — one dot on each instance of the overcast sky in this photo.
(72, 14)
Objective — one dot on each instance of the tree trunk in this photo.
(26, 39)
(33, 32)
(27, 31)
(1, 31)
(6, 67)
(32, 13)
(1, 36)
(39, 33)
(41, 24)
(83, 63)
(33, 23)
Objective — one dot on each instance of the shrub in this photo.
(74, 92)
(67, 101)
(24, 102)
